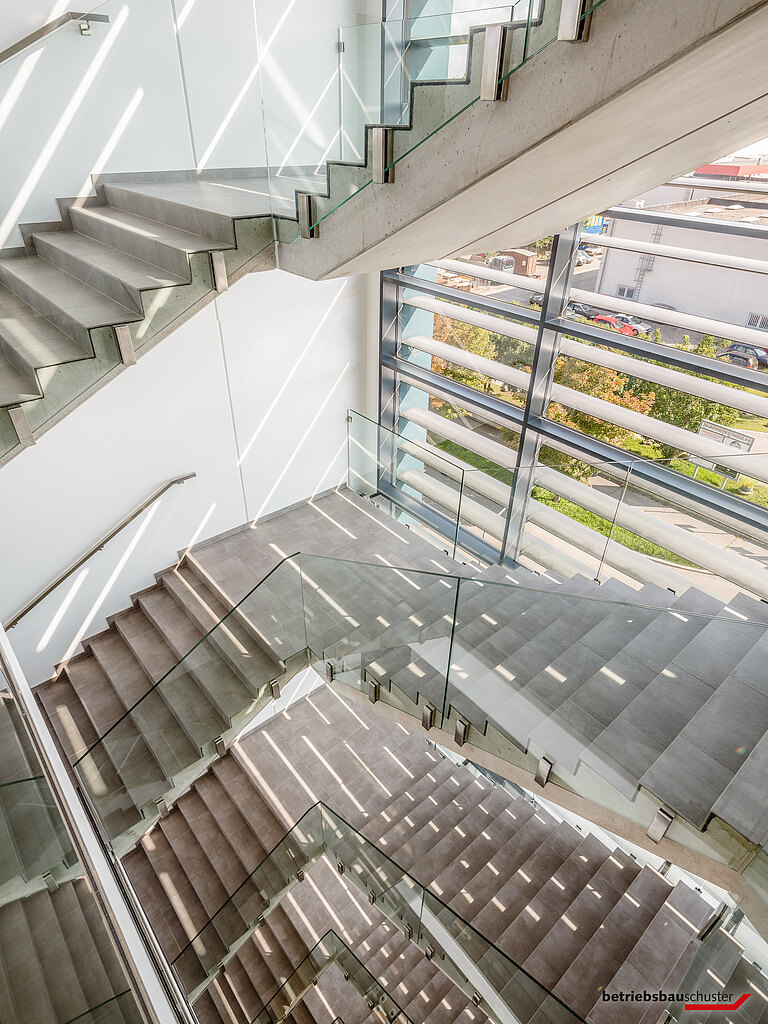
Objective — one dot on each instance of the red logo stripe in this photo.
(718, 1006)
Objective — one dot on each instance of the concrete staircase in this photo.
(657, 694)
(57, 962)
(579, 917)
(128, 265)
(578, 671)
(189, 864)
(33, 840)
(160, 717)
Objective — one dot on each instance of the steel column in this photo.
(554, 303)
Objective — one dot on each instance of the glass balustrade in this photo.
(329, 951)
(422, 50)
(471, 961)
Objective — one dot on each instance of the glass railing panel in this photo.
(330, 950)
(121, 1009)
(392, 625)
(33, 839)
(9, 439)
(162, 741)
(199, 961)
(67, 382)
(533, 25)
(428, 48)
(469, 959)
(618, 692)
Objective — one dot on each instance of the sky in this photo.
(756, 149)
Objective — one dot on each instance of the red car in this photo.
(617, 325)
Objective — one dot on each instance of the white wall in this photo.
(251, 395)
(722, 294)
(137, 96)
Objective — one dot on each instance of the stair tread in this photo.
(84, 305)
(237, 198)
(38, 342)
(156, 230)
(145, 710)
(132, 271)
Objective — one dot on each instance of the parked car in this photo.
(582, 309)
(593, 250)
(640, 326)
(536, 299)
(745, 355)
(582, 258)
(606, 320)
(502, 263)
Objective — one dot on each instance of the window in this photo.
(758, 320)
(625, 291)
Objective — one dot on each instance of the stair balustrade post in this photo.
(574, 25)
(382, 146)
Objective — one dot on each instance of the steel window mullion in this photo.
(554, 302)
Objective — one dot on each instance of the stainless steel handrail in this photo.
(97, 547)
(41, 33)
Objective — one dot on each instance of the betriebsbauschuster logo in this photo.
(691, 1000)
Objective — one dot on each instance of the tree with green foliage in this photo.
(470, 339)
(680, 408)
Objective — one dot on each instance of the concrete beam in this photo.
(657, 89)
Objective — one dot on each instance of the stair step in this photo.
(204, 207)
(394, 840)
(61, 980)
(68, 303)
(246, 804)
(202, 876)
(185, 901)
(235, 999)
(74, 731)
(148, 240)
(83, 951)
(116, 274)
(231, 639)
(155, 899)
(153, 718)
(408, 800)
(29, 342)
(141, 767)
(107, 955)
(29, 993)
(200, 657)
(193, 711)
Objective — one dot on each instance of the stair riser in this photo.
(27, 372)
(93, 276)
